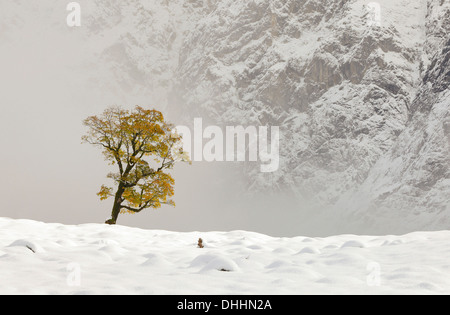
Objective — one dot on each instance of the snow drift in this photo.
(40, 258)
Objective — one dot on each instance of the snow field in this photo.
(40, 258)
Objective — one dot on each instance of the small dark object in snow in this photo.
(200, 243)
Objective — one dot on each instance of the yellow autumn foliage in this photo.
(143, 147)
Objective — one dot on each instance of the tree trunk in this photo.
(117, 205)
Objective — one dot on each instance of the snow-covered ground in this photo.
(42, 258)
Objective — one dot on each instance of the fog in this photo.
(50, 82)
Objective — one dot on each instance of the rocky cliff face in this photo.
(362, 105)
(412, 180)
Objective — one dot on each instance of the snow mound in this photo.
(202, 260)
(32, 246)
(214, 262)
(354, 244)
(393, 243)
(155, 260)
(221, 263)
(309, 250)
(278, 263)
(283, 250)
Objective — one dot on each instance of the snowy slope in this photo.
(345, 93)
(40, 258)
(412, 180)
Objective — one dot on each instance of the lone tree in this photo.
(144, 147)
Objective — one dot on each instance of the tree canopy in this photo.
(144, 147)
